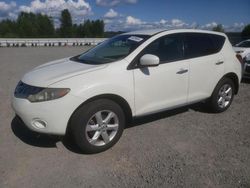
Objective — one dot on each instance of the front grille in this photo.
(24, 90)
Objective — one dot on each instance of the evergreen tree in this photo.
(40, 25)
(87, 28)
(27, 25)
(8, 29)
(66, 24)
(219, 28)
(45, 26)
(246, 31)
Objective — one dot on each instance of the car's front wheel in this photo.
(97, 125)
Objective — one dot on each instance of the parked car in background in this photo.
(93, 95)
(243, 49)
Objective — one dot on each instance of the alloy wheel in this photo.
(225, 96)
(102, 127)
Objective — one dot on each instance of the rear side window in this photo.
(201, 44)
(218, 42)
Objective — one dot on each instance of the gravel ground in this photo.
(187, 147)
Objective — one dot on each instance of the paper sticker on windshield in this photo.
(135, 38)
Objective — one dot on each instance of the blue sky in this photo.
(141, 14)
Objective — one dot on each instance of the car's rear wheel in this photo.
(222, 96)
(98, 125)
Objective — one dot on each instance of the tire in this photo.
(97, 125)
(222, 96)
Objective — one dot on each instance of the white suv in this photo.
(94, 94)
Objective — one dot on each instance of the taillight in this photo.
(239, 58)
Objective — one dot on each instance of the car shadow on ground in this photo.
(30, 137)
(144, 120)
(49, 141)
(245, 80)
(40, 140)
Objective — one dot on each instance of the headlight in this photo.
(38, 94)
(239, 52)
(48, 94)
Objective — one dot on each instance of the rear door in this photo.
(206, 63)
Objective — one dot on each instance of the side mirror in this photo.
(248, 57)
(149, 60)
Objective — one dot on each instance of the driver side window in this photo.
(168, 48)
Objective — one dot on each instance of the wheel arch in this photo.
(116, 98)
(235, 79)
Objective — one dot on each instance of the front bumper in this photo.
(55, 113)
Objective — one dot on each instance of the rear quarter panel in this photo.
(232, 64)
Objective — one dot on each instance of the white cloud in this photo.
(112, 3)
(162, 21)
(133, 21)
(108, 21)
(48, 6)
(7, 6)
(111, 14)
(194, 25)
(239, 24)
(210, 25)
(6, 9)
(78, 8)
(132, 1)
(236, 27)
(12, 16)
(177, 23)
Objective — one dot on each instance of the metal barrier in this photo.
(35, 42)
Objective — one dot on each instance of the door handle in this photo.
(219, 63)
(182, 71)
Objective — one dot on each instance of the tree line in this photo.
(30, 25)
(245, 33)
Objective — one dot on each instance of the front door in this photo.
(164, 86)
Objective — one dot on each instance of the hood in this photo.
(239, 49)
(242, 51)
(55, 71)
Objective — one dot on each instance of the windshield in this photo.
(111, 50)
(245, 44)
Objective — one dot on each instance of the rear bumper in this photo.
(54, 114)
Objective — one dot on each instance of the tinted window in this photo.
(111, 50)
(245, 44)
(168, 48)
(218, 42)
(199, 44)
